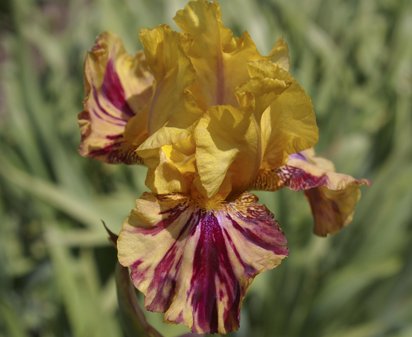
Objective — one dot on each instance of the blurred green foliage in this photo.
(56, 266)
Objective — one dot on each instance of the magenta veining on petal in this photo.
(113, 90)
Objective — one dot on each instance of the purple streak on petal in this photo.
(116, 154)
(137, 273)
(114, 137)
(249, 270)
(173, 214)
(113, 90)
(258, 239)
(164, 279)
(121, 121)
(165, 274)
(212, 265)
(298, 155)
(104, 151)
(297, 179)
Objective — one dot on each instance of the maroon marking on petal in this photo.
(137, 273)
(114, 137)
(116, 121)
(114, 153)
(211, 265)
(165, 274)
(120, 121)
(164, 280)
(257, 240)
(326, 212)
(173, 212)
(297, 179)
(104, 151)
(249, 270)
(113, 90)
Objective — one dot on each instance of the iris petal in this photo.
(169, 155)
(117, 89)
(227, 150)
(280, 54)
(220, 59)
(332, 196)
(288, 126)
(283, 110)
(195, 264)
(173, 103)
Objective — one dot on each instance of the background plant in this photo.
(56, 266)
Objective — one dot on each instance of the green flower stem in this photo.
(133, 319)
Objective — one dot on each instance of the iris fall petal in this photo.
(332, 196)
(195, 264)
(117, 89)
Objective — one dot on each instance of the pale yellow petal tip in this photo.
(332, 209)
(166, 258)
(280, 54)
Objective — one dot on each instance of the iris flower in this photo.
(212, 119)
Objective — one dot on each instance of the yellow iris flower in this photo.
(211, 118)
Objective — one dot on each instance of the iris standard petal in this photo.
(287, 126)
(173, 103)
(195, 264)
(332, 196)
(283, 110)
(267, 82)
(118, 86)
(220, 59)
(227, 150)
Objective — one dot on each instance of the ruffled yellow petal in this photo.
(220, 59)
(267, 82)
(172, 103)
(118, 87)
(169, 155)
(287, 126)
(195, 265)
(227, 150)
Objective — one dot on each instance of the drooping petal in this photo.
(118, 86)
(333, 209)
(220, 59)
(332, 196)
(172, 103)
(227, 150)
(195, 264)
(169, 155)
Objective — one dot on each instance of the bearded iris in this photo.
(211, 118)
